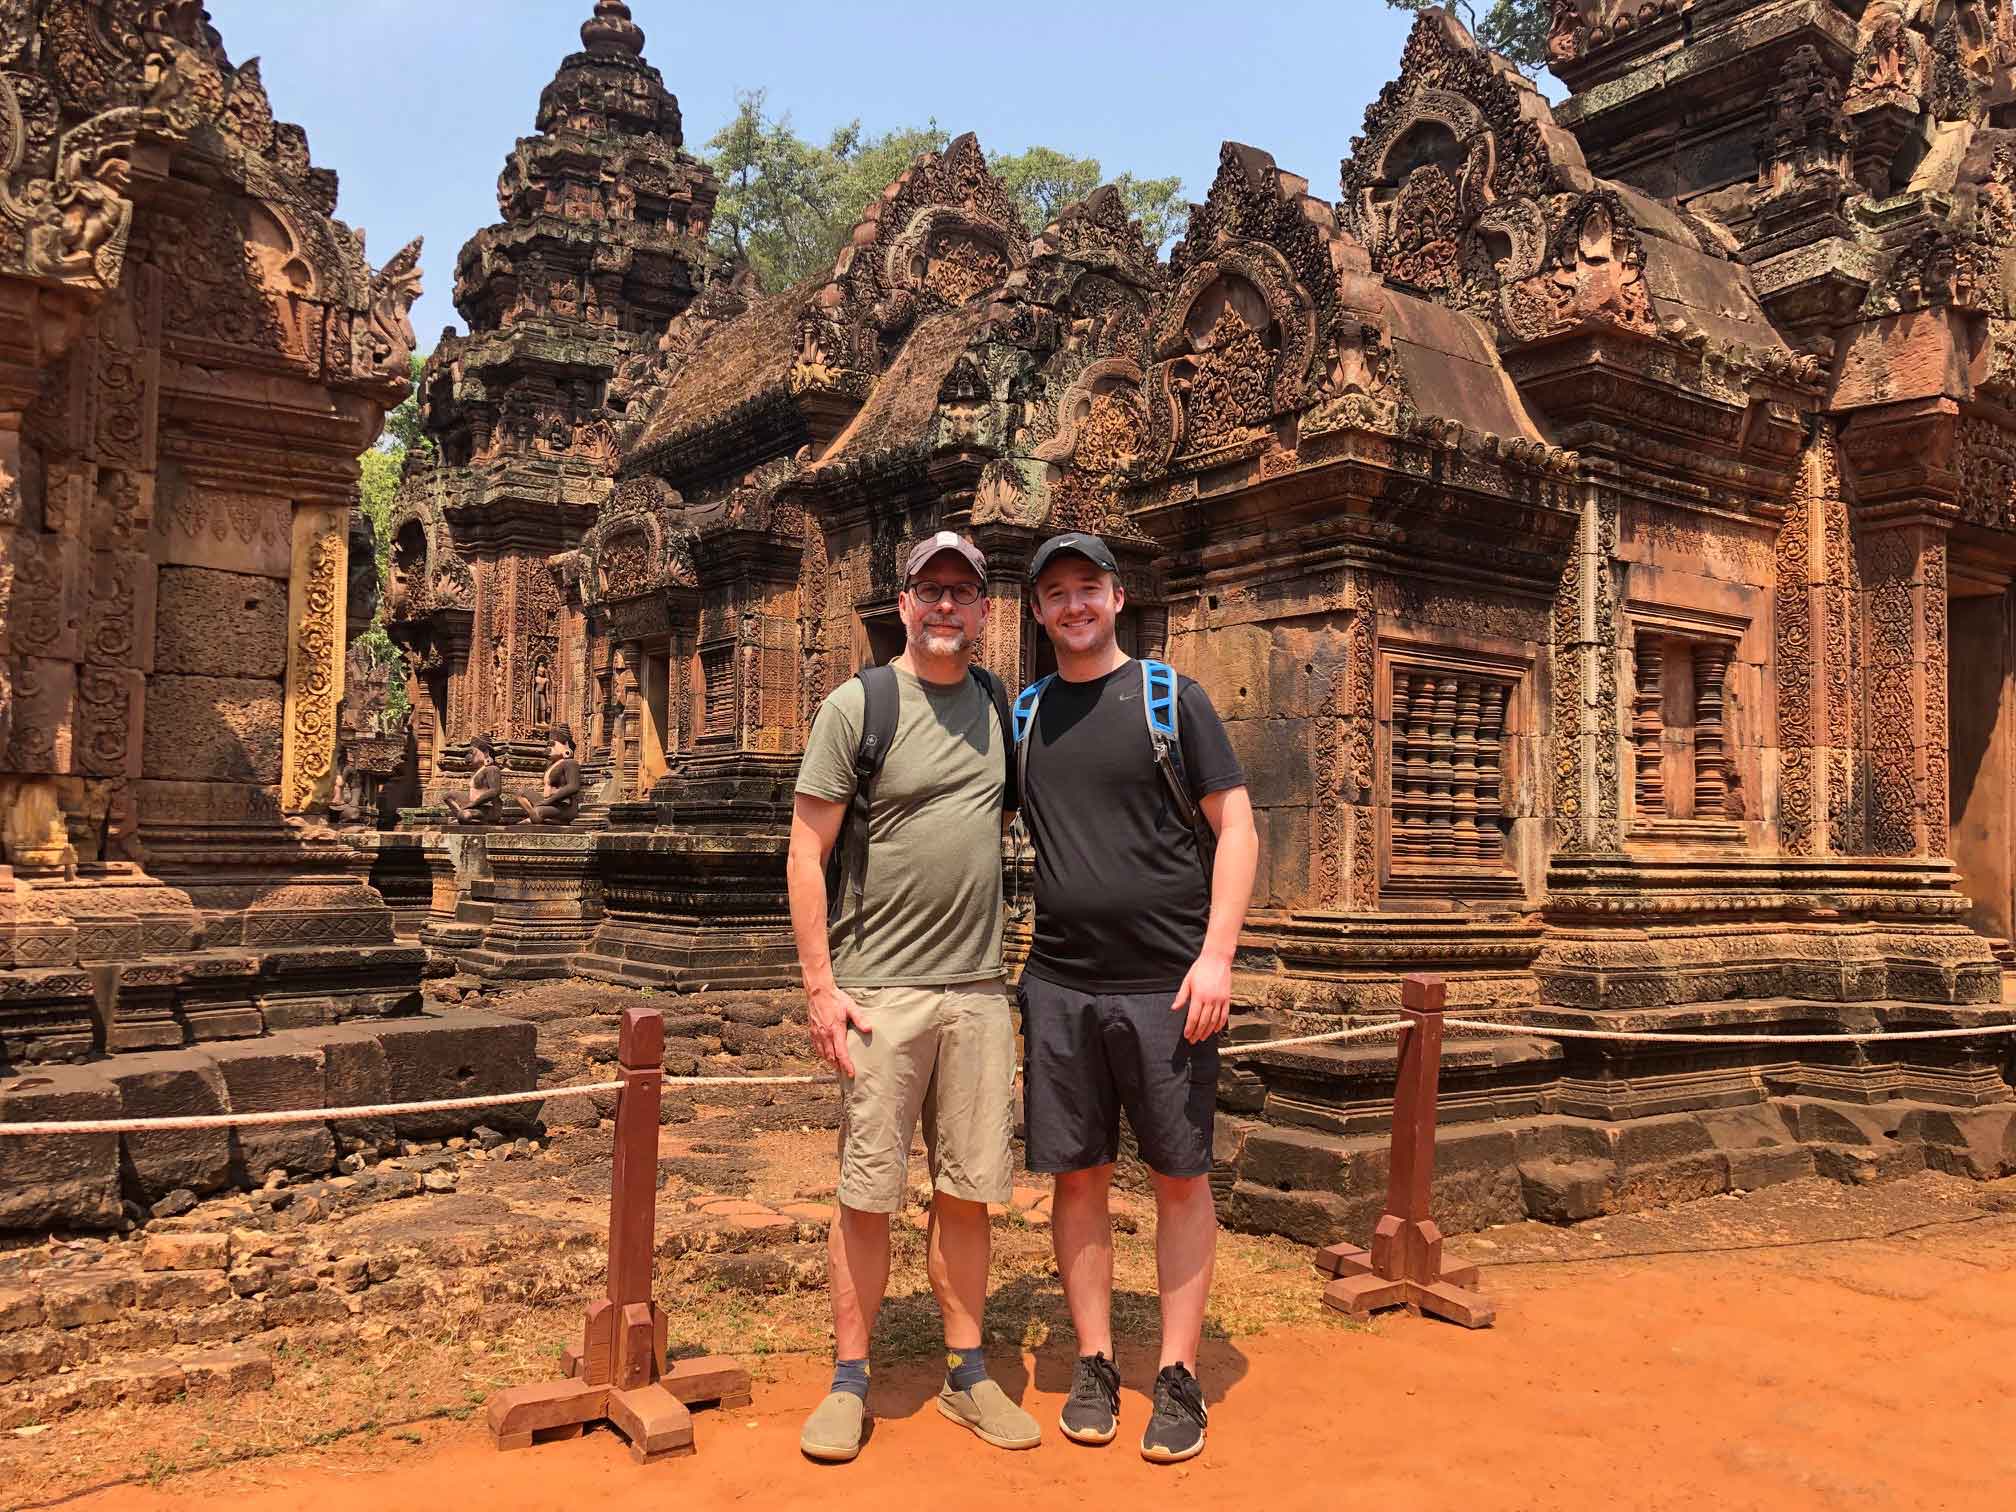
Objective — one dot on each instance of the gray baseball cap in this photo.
(944, 540)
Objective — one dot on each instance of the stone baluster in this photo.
(1711, 777)
(1463, 777)
(1490, 774)
(1442, 770)
(1648, 725)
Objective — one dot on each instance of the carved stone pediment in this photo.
(943, 234)
(641, 544)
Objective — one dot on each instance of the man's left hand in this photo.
(1207, 995)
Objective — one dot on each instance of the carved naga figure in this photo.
(389, 338)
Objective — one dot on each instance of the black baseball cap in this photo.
(1076, 543)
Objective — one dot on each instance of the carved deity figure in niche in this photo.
(1596, 277)
(542, 693)
(1226, 380)
(1888, 52)
(1110, 431)
(1420, 218)
(1360, 391)
(408, 569)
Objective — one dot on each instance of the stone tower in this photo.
(602, 242)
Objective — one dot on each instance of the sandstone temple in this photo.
(1596, 523)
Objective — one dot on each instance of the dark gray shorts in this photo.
(1086, 1057)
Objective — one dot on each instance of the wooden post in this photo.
(1404, 1266)
(618, 1373)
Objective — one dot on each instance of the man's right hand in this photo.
(829, 1011)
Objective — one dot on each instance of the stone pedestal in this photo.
(545, 898)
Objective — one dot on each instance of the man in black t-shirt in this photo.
(1129, 980)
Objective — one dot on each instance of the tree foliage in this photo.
(787, 205)
(1515, 29)
(377, 485)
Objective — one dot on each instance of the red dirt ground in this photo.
(1871, 1374)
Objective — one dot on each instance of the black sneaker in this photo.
(1176, 1427)
(1092, 1412)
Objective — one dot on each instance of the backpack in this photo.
(1159, 698)
(847, 863)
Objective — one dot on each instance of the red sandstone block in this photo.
(226, 1372)
(86, 1297)
(139, 1381)
(180, 1289)
(30, 1353)
(809, 1212)
(19, 1309)
(186, 1252)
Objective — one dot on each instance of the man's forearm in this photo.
(1231, 889)
(805, 882)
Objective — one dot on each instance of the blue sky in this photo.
(415, 104)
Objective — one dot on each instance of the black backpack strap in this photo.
(1011, 792)
(847, 866)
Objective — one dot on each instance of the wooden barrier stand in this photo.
(618, 1373)
(1404, 1267)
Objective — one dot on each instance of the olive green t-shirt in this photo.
(930, 907)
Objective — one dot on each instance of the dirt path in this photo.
(1876, 1373)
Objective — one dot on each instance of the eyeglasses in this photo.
(937, 593)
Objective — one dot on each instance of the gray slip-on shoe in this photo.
(833, 1431)
(988, 1412)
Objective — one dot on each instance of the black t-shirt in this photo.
(1121, 903)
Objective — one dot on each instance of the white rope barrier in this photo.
(1661, 1037)
(301, 1115)
(548, 1094)
(1314, 1039)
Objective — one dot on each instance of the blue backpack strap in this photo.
(1025, 719)
(1025, 706)
(1158, 699)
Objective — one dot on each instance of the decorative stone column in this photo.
(315, 647)
(1903, 562)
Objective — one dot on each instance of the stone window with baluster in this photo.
(1685, 779)
(1450, 738)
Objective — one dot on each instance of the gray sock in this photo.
(964, 1368)
(851, 1376)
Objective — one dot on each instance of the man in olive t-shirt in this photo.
(904, 990)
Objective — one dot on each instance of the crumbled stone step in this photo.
(795, 1267)
(73, 1301)
(19, 1308)
(32, 1352)
(186, 1252)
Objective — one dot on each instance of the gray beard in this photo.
(925, 634)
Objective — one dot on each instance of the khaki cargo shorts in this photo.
(946, 1054)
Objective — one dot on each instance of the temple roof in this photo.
(904, 402)
(732, 365)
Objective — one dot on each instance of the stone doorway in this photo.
(1981, 701)
(654, 671)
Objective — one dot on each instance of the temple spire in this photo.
(610, 30)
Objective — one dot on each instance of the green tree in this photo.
(402, 422)
(1044, 180)
(1515, 29)
(377, 486)
(787, 205)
